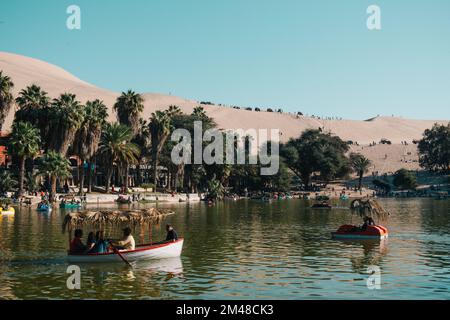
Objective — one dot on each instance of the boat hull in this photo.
(9, 212)
(319, 206)
(372, 232)
(142, 252)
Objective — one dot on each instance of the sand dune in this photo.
(26, 71)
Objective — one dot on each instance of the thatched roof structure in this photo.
(368, 207)
(101, 219)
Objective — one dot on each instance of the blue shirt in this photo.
(100, 247)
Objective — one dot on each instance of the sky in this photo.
(315, 56)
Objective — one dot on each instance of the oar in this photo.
(121, 256)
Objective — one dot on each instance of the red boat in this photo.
(354, 232)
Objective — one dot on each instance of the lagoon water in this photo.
(243, 250)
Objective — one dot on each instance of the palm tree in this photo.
(116, 148)
(24, 143)
(6, 97)
(173, 111)
(55, 166)
(215, 189)
(88, 136)
(33, 104)
(129, 106)
(7, 182)
(160, 128)
(360, 165)
(65, 117)
(143, 140)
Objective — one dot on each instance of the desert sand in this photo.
(25, 71)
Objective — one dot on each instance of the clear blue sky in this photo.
(313, 56)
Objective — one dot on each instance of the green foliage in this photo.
(6, 97)
(24, 143)
(7, 182)
(65, 117)
(54, 164)
(147, 186)
(129, 106)
(24, 140)
(434, 148)
(115, 145)
(405, 180)
(87, 137)
(360, 166)
(315, 151)
(117, 149)
(215, 189)
(33, 105)
(381, 184)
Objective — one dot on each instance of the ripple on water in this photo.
(245, 250)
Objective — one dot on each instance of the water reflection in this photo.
(366, 253)
(242, 249)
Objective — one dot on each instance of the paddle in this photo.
(120, 255)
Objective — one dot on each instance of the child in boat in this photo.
(76, 245)
(127, 242)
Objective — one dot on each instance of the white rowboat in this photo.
(142, 252)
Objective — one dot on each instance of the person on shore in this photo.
(76, 245)
(66, 188)
(171, 233)
(127, 242)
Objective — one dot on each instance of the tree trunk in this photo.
(126, 177)
(138, 173)
(21, 174)
(108, 179)
(306, 180)
(360, 180)
(53, 188)
(155, 172)
(81, 177)
(89, 176)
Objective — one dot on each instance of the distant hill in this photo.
(25, 71)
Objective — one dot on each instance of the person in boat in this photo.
(76, 245)
(171, 233)
(127, 242)
(367, 221)
(90, 243)
(101, 244)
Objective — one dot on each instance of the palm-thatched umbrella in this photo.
(368, 207)
(114, 219)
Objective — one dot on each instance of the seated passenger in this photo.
(368, 221)
(90, 243)
(171, 233)
(76, 245)
(101, 245)
(127, 242)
